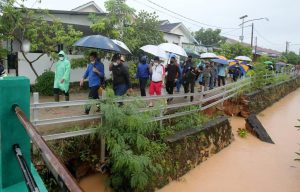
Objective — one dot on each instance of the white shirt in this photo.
(157, 73)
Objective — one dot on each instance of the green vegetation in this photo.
(122, 23)
(230, 50)
(136, 144)
(133, 148)
(243, 133)
(209, 37)
(44, 83)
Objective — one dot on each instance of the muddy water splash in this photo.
(250, 165)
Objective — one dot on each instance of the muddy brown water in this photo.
(250, 165)
(247, 165)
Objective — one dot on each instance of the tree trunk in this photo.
(31, 62)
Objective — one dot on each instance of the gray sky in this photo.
(283, 16)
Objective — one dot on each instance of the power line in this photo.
(180, 19)
(214, 26)
(268, 41)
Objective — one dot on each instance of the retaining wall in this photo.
(255, 102)
(190, 147)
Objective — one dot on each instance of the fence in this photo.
(213, 97)
(203, 99)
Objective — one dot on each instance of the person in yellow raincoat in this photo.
(62, 76)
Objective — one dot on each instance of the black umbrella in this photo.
(98, 42)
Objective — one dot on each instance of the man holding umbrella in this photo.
(94, 73)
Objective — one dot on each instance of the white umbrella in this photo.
(122, 46)
(155, 50)
(243, 58)
(208, 56)
(172, 48)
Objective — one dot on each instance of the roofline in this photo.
(73, 12)
(171, 33)
(86, 5)
(51, 11)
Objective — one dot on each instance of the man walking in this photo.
(143, 73)
(62, 77)
(189, 76)
(172, 74)
(206, 75)
(157, 78)
(221, 74)
(121, 79)
(213, 75)
(94, 73)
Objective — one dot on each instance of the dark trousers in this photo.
(170, 87)
(221, 78)
(93, 94)
(58, 91)
(143, 83)
(189, 86)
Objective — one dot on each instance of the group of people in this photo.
(94, 74)
(172, 75)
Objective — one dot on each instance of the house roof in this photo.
(72, 12)
(168, 27)
(91, 3)
(258, 49)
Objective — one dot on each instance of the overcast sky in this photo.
(283, 15)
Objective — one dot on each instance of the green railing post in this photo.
(14, 90)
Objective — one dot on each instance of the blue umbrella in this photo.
(220, 61)
(98, 42)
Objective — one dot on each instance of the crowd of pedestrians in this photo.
(172, 76)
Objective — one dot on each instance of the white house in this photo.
(78, 17)
(178, 34)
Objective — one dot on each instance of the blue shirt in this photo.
(93, 78)
(142, 71)
(221, 70)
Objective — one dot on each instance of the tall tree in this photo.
(209, 37)
(22, 23)
(121, 23)
(292, 57)
(230, 50)
(144, 31)
(118, 19)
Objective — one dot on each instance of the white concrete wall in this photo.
(170, 38)
(184, 38)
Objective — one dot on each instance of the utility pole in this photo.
(255, 49)
(287, 44)
(252, 31)
(243, 21)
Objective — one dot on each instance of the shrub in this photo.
(44, 83)
(131, 144)
(242, 132)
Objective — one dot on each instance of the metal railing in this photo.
(63, 177)
(216, 96)
(205, 100)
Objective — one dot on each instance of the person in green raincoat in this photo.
(62, 76)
